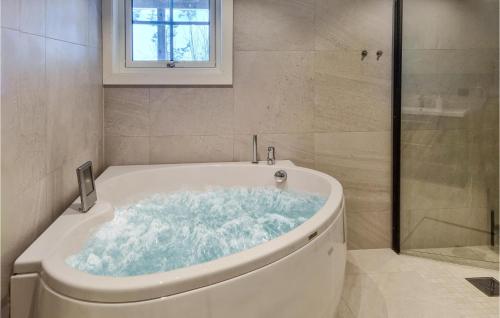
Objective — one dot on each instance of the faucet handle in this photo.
(270, 155)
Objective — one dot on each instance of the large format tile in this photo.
(363, 298)
(367, 230)
(126, 150)
(436, 160)
(68, 20)
(380, 283)
(461, 24)
(273, 92)
(51, 116)
(409, 295)
(353, 24)
(95, 23)
(10, 14)
(351, 94)
(126, 112)
(191, 111)
(422, 194)
(24, 110)
(450, 61)
(361, 161)
(68, 116)
(32, 16)
(187, 149)
(343, 311)
(273, 25)
(296, 147)
(96, 107)
(435, 227)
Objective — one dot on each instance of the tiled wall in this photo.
(450, 164)
(52, 113)
(300, 83)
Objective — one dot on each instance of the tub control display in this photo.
(86, 184)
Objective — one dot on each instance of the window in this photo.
(167, 42)
(170, 33)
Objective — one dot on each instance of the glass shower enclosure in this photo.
(447, 130)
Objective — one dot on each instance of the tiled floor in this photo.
(480, 256)
(381, 284)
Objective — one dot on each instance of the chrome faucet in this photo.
(270, 155)
(254, 157)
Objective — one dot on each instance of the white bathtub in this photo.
(299, 274)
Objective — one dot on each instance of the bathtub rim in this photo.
(83, 286)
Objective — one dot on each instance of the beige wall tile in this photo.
(369, 230)
(180, 149)
(52, 117)
(10, 14)
(461, 24)
(273, 92)
(67, 101)
(430, 228)
(351, 94)
(96, 101)
(361, 161)
(451, 61)
(68, 20)
(273, 25)
(32, 16)
(353, 24)
(126, 150)
(126, 112)
(10, 60)
(191, 111)
(296, 147)
(23, 110)
(95, 24)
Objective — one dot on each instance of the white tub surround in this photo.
(299, 274)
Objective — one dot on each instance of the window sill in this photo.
(198, 76)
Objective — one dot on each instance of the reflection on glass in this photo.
(449, 131)
(145, 39)
(179, 33)
(198, 11)
(191, 43)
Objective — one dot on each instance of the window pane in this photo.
(150, 10)
(191, 43)
(150, 42)
(192, 10)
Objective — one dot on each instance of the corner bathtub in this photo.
(298, 274)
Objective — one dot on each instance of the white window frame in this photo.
(117, 71)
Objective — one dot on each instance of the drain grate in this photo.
(488, 285)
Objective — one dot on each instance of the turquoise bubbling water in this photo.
(166, 231)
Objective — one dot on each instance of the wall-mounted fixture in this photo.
(379, 54)
(86, 185)
(364, 54)
(255, 160)
(271, 158)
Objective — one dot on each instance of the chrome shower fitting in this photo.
(271, 158)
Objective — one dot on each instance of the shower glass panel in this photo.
(449, 131)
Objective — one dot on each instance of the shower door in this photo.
(447, 130)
